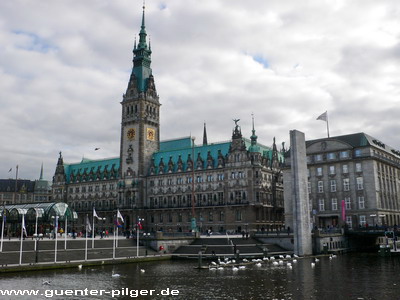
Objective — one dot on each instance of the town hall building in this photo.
(174, 185)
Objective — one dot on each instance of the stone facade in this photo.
(228, 186)
(21, 191)
(354, 176)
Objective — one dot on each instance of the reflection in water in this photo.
(345, 277)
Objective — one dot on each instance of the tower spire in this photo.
(253, 136)
(41, 173)
(142, 34)
(141, 71)
(205, 135)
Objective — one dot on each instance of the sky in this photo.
(65, 64)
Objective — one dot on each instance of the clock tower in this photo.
(140, 126)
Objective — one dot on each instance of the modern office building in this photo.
(352, 179)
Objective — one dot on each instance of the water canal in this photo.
(361, 276)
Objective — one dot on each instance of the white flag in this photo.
(23, 225)
(120, 216)
(95, 214)
(323, 117)
(88, 227)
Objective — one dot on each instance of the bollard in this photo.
(200, 259)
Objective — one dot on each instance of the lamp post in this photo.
(37, 237)
(147, 236)
(55, 234)
(137, 236)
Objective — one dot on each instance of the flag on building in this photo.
(88, 226)
(23, 225)
(95, 214)
(323, 117)
(10, 170)
(119, 219)
(119, 216)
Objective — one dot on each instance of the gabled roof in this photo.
(183, 148)
(87, 165)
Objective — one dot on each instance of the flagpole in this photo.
(93, 230)
(16, 184)
(22, 238)
(55, 232)
(65, 231)
(137, 239)
(327, 123)
(87, 220)
(2, 229)
(36, 228)
(114, 243)
(116, 239)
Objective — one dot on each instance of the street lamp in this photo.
(55, 234)
(37, 237)
(137, 235)
(147, 236)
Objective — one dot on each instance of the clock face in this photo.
(131, 133)
(151, 134)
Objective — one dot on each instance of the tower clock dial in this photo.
(151, 134)
(131, 133)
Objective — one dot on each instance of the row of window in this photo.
(179, 217)
(333, 186)
(332, 170)
(333, 155)
(347, 203)
(90, 188)
(198, 179)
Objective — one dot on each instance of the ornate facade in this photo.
(235, 185)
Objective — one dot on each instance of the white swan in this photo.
(258, 264)
(142, 270)
(115, 274)
(80, 267)
(312, 265)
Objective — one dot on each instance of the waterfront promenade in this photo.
(74, 254)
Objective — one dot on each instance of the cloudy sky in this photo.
(65, 64)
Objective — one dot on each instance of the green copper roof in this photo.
(173, 149)
(183, 148)
(175, 144)
(142, 59)
(88, 165)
